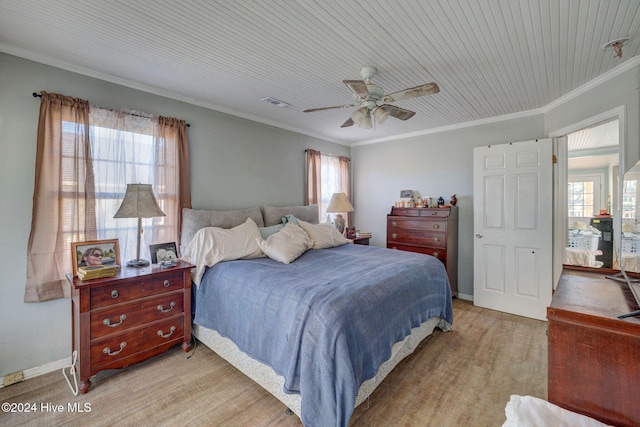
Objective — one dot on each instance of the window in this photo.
(629, 199)
(327, 174)
(584, 195)
(85, 158)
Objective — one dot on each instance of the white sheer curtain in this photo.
(126, 150)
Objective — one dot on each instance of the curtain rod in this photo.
(326, 154)
(37, 95)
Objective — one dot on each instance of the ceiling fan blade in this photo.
(397, 112)
(359, 87)
(311, 110)
(347, 123)
(413, 92)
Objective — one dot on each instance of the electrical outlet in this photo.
(13, 378)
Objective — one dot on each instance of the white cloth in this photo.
(529, 411)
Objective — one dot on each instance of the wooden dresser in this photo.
(594, 357)
(128, 318)
(432, 231)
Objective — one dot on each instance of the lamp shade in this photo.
(339, 203)
(139, 202)
(380, 114)
(359, 115)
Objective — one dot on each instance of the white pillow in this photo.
(211, 245)
(323, 235)
(287, 244)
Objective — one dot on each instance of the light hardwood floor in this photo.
(459, 378)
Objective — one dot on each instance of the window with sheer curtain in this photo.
(327, 174)
(85, 159)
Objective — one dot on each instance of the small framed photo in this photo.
(163, 252)
(350, 232)
(94, 252)
(406, 194)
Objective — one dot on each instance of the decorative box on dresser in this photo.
(594, 357)
(130, 317)
(432, 231)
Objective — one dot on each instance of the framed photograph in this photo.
(163, 252)
(406, 194)
(95, 252)
(350, 232)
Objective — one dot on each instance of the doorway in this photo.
(592, 216)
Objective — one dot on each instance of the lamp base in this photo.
(138, 263)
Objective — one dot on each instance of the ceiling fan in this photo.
(374, 104)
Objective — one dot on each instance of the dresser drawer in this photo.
(405, 223)
(135, 288)
(116, 347)
(417, 237)
(114, 319)
(441, 254)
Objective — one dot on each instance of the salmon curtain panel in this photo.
(327, 174)
(63, 196)
(113, 149)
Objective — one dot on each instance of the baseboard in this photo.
(465, 297)
(44, 369)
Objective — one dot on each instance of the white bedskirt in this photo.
(265, 376)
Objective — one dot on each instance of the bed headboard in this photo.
(195, 219)
(272, 215)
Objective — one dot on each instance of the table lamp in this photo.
(139, 202)
(339, 203)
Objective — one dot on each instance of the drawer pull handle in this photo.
(404, 212)
(436, 240)
(394, 224)
(107, 350)
(114, 294)
(171, 331)
(166, 283)
(434, 213)
(166, 310)
(113, 325)
(436, 226)
(436, 254)
(394, 235)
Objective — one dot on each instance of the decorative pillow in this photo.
(273, 214)
(212, 245)
(287, 244)
(268, 231)
(195, 219)
(323, 235)
(290, 218)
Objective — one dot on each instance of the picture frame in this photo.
(163, 252)
(350, 232)
(406, 194)
(80, 253)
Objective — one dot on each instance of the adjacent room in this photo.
(301, 212)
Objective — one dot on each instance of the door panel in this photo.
(513, 228)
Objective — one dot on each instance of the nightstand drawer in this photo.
(116, 347)
(136, 288)
(115, 319)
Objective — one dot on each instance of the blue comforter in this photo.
(327, 321)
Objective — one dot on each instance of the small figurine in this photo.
(453, 200)
(440, 201)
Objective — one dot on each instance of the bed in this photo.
(322, 330)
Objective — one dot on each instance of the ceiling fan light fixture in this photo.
(359, 115)
(380, 114)
(366, 122)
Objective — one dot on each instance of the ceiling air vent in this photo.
(275, 102)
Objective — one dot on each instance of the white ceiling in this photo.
(490, 58)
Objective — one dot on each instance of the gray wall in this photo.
(234, 163)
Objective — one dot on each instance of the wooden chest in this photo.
(432, 231)
(128, 318)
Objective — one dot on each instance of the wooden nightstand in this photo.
(361, 241)
(125, 319)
